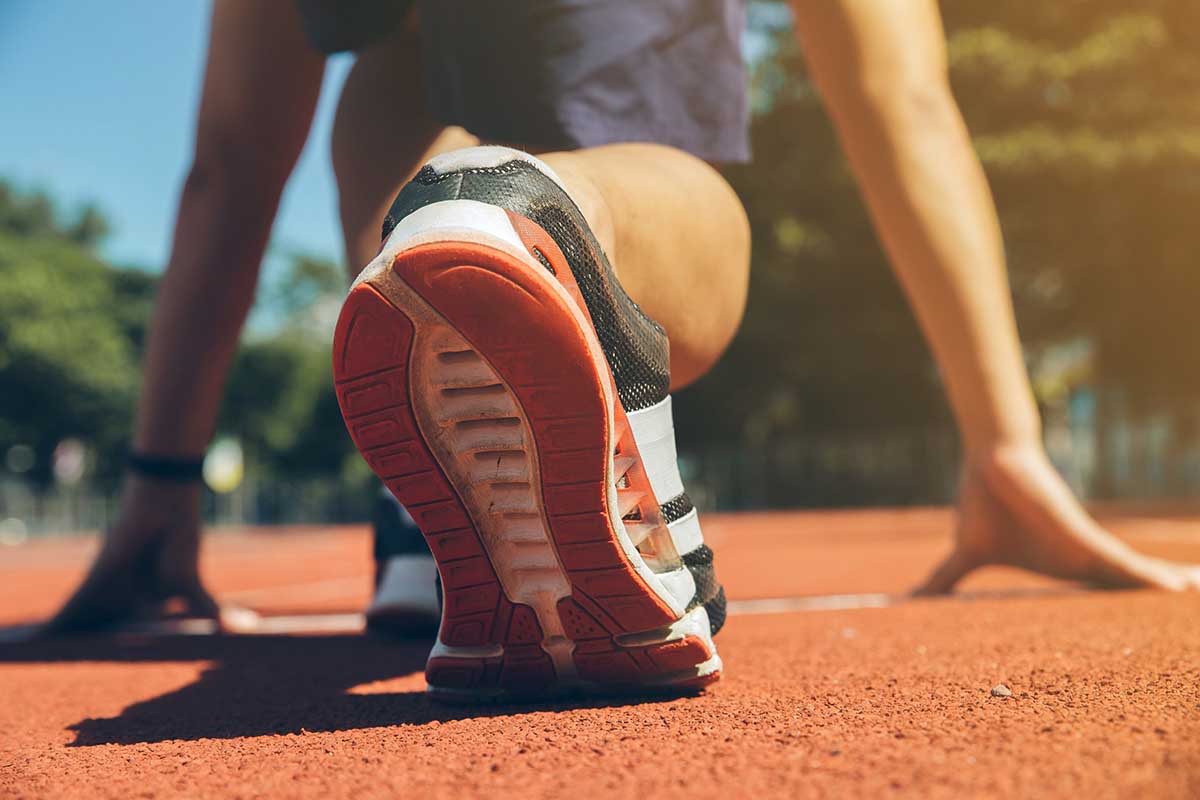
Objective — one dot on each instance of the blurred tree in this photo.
(72, 329)
(280, 400)
(1085, 114)
(68, 364)
(90, 228)
(27, 213)
(1087, 118)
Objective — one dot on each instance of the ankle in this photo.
(591, 201)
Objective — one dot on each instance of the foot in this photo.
(496, 377)
(147, 571)
(407, 601)
(1015, 509)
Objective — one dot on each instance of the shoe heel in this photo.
(473, 386)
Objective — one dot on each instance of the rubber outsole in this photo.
(474, 387)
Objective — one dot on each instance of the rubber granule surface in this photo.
(865, 702)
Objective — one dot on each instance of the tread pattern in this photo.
(503, 309)
(542, 356)
(371, 352)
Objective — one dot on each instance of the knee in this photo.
(725, 285)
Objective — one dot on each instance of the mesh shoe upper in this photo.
(636, 347)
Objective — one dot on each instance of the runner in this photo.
(515, 292)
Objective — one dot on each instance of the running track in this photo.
(835, 686)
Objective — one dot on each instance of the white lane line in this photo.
(314, 623)
(353, 623)
(331, 589)
(829, 602)
(288, 624)
(281, 625)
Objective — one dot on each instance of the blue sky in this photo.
(99, 101)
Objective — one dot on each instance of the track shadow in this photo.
(263, 685)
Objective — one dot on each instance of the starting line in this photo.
(289, 624)
(286, 624)
(253, 624)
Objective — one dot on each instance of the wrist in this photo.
(184, 470)
(1021, 433)
(1007, 455)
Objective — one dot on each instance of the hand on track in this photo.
(1015, 509)
(148, 567)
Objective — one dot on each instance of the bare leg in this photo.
(260, 89)
(881, 68)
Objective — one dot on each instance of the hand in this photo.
(1015, 509)
(148, 566)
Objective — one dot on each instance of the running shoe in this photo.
(406, 602)
(497, 378)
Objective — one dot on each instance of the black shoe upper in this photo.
(396, 534)
(635, 345)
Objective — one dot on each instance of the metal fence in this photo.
(1143, 461)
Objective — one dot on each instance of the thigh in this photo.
(382, 134)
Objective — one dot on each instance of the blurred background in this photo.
(1086, 114)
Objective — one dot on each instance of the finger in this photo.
(947, 574)
(1161, 574)
(197, 602)
(235, 619)
(1193, 577)
(230, 618)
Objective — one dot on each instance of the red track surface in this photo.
(850, 703)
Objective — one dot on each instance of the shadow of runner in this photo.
(267, 685)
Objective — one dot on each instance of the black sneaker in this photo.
(407, 599)
(494, 374)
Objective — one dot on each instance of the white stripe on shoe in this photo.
(654, 431)
(686, 533)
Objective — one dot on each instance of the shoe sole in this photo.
(474, 386)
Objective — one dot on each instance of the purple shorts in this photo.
(565, 74)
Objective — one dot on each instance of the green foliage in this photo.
(299, 288)
(1085, 114)
(280, 400)
(67, 361)
(72, 329)
(33, 215)
(280, 403)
